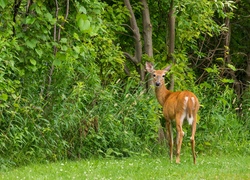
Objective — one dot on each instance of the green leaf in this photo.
(33, 61)
(57, 62)
(39, 52)
(3, 3)
(49, 17)
(31, 43)
(212, 70)
(4, 97)
(64, 48)
(63, 40)
(60, 57)
(30, 20)
(220, 59)
(209, 70)
(82, 10)
(207, 143)
(227, 80)
(83, 22)
(76, 36)
(33, 68)
(77, 49)
(231, 67)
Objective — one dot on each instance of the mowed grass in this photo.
(207, 167)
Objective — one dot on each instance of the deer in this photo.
(176, 106)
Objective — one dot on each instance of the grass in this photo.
(207, 167)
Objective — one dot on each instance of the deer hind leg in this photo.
(170, 138)
(192, 139)
(180, 134)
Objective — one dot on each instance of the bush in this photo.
(244, 109)
(113, 121)
(220, 129)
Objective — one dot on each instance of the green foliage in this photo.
(99, 124)
(219, 121)
(245, 111)
(40, 75)
(239, 49)
(194, 22)
(60, 98)
(119, 126)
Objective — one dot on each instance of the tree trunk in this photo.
(147, 36)
(16, 7)
(171, 39)
(138, 46)
(227, 57)
(148, 47)
(248, 68)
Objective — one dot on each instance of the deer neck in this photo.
(161, 94)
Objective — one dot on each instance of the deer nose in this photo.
(157, 83)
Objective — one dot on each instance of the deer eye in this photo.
(154, 75)
(163, 75)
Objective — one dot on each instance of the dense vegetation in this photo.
(73, 84)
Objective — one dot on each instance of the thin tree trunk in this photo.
(16, 6)
(227, 57)
(171, 38)
(136, 59)
(147, 36)
(57, 37)
(248, 68)
(148, 47)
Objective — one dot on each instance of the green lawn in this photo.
(207, 167)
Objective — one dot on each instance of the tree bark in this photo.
(227, 57)
(171, 39)
(57, 37)
(138, 46)
(16, 6)
(248, 68)
(148, 47)
(147, 36)
(147, 29)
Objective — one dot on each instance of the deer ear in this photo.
(167, 68)
(149, 67)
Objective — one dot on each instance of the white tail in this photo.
(176, 105)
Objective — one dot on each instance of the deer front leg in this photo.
(170, 138)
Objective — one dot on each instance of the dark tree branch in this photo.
(29, 3)
(130, 57)
(16, 6)
(65, 19)
(57, 37)
(126, 70)
(55, 26)
(55, 49)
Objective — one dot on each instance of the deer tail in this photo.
(190, 109)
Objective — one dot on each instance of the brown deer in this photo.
(176, 105)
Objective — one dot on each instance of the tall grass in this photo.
(115, 121)
(220, 128)
(118, 120)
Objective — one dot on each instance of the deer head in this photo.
(158, 75)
